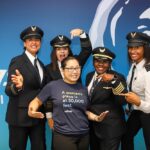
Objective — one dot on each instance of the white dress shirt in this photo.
(32, 58)
(141, 86)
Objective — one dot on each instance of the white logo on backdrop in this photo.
(100, 21)
(3, 82)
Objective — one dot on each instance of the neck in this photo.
(69, 82)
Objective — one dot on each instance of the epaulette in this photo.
(119, 89)
(147, 67)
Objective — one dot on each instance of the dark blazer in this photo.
(17, 110)
(103, 99)
(86, 50)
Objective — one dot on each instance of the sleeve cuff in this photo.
(83, 35)
(49, 115)
(14, 89)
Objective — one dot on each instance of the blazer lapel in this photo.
(31, 68)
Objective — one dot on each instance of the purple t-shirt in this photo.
(70, 102)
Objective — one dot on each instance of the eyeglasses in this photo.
(73, 69)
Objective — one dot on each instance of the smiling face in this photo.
(136, 53)
(61, 53)
(71, 71)
(32, 45)
(101, 66)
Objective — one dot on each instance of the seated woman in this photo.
(70, 104)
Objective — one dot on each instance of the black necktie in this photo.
(95, 82)
(36, 68)
(130, 86)
(131, 80)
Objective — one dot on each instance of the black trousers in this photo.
(135, 122)
(104, 144)
(65, 142)
(18, 137)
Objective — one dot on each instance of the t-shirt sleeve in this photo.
(45, 93)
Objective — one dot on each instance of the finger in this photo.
(14, 80)
(103, 114)
(13, 75)
(106, 112)
(37, 114)
(17, 72)
(123, 94)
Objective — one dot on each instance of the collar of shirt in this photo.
(139, 65)
(31, 57)
(83, 35)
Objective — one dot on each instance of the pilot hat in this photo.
(60, 41)
(31, 32)
(137, 39)
(103, 53)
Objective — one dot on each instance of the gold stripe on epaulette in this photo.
(118, 89)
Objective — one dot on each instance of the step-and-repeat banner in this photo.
(106, 21)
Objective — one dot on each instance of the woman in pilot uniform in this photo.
(139, 85)
(104, 86)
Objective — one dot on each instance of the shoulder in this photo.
(90, 74)
(147, 67)
(55, 82)
(52, 85)
(49, 69)
(17, 58)
(48, 66)
(116, 73)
